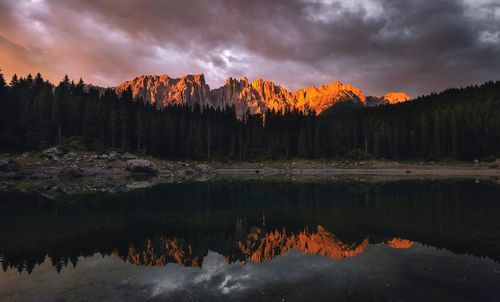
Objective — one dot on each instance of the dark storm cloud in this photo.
(415, 46)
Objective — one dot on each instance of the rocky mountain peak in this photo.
(325, 96)
(396, 97)
(256, 96)
(388, 98)
(163, 90)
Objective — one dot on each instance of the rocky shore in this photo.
(57, 171)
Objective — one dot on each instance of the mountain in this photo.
(388, 98)
(257, 245)
(323, 97)
(256, 96)
(164, 90)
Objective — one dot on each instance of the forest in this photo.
(458, 123)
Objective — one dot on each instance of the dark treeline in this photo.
(457, 123)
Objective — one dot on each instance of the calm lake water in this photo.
(322, 240)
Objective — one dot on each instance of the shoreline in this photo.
(441, 171)
(55, 172)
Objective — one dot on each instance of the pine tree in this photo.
(59, 108)
(436, 138)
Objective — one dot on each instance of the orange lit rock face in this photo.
(323, 97)
(389, 98)
(168, 251)
(255, 97)
(398, 243)
(258, 246)
(163, 90)
(396, 97)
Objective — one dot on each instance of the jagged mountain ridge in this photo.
(164, 90)
(257, 245)
(255, 96)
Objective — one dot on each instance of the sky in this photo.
(415, 46)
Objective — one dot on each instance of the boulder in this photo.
(9, 165)
(113, 155)
(39, 175)
(495, 164)
(54, 153)
(169, 166)
(127, 156)
(204, 168)
(70, 156)
(24, 155)
(70, 172)
(184, 172)
(141, 166)
(475, 164)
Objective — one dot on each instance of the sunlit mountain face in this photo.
(253, 97)
(257, 246)
(248, 222)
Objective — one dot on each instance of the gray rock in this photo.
(70, 156)
(169, 166)
(70, 172)
(113, 155)
(9, 165)
(205, 168)
(24, 155)
(7, 186)
(12, 175)
(39, 175)
(54, 153)
(139, 185)
(141, 166)
(184, 172)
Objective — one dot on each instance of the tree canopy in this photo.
(459, 123)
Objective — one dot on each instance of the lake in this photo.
(254, 239)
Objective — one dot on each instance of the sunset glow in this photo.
(413, 46)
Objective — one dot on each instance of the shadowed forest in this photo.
(458, 124)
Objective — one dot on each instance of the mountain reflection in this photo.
(258, 246)
(248, 221)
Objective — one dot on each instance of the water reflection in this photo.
(258, 246)
(248, 222)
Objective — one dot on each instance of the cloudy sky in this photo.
(417, 46)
